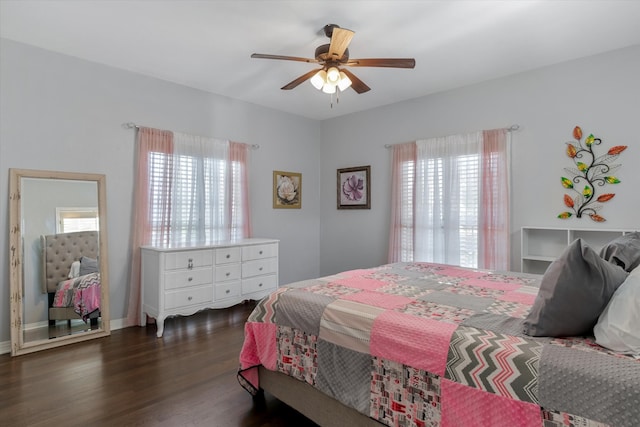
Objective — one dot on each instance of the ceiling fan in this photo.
(333, 57)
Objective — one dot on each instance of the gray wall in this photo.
(64, 114)
(61, 113)
(601, 94)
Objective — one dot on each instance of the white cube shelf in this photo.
(542, 245)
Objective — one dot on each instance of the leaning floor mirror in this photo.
(59, 280)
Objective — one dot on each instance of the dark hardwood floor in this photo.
(132, 378)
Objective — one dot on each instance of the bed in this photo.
(423, 344)
(70, 276)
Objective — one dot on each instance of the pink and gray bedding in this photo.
(82, 293)
(419, 344)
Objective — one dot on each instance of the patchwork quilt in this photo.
(422, 344)
(82, 293)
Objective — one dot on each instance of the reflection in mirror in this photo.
(59, 285)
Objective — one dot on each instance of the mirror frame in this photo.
(18, 345)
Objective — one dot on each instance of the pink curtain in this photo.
(402, 196)
(493, 235)
(240, 210)
(148, 141)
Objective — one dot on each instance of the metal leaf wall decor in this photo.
(590, 174)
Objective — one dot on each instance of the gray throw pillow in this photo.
(88, 265)
(574, 291)
(623, 251)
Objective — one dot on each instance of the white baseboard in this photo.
(5, 347)
(115, 324)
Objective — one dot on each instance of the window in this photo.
(69, 220)
(406, 215)
(450, 201)
(451, 209)
(195, 198)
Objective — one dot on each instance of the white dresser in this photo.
(182, 281)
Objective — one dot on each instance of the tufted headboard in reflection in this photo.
(59, 251)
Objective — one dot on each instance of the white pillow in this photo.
(74, 271)
(618, 327)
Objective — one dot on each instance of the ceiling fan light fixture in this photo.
(318, 80)
(333, 75)
(329, 88)
(344, 83)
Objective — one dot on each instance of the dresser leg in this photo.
(160, 325)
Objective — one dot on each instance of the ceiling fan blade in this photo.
(340, 40)
(286, 58)
(357, 84)
(383, 62)
(299, 80)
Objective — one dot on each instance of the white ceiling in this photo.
(207, 44)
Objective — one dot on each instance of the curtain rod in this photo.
(131, 125)
(511, 128)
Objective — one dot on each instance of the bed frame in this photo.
(59, 251)
(310, 402)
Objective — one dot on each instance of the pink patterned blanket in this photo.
(82, 293)
(418, 344)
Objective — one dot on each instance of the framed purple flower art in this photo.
(354, 188)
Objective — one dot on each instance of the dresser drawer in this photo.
(261, 283)
(258, 267)
(259, 251)
(187, 297)
(188, 259)
(227, 272)
(183, 279)
(227, 290)
(226, 255)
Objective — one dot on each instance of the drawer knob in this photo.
(260, 285)
(189, 298)
(228, 256)
(190, 279)
(260, 252)
(228, 273)
(227, 291)
(260, 269)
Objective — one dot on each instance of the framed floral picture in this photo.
(354, 188)
(287, 190)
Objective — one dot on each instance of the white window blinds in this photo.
(447, 179)
(70, 220)
(195, 192)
